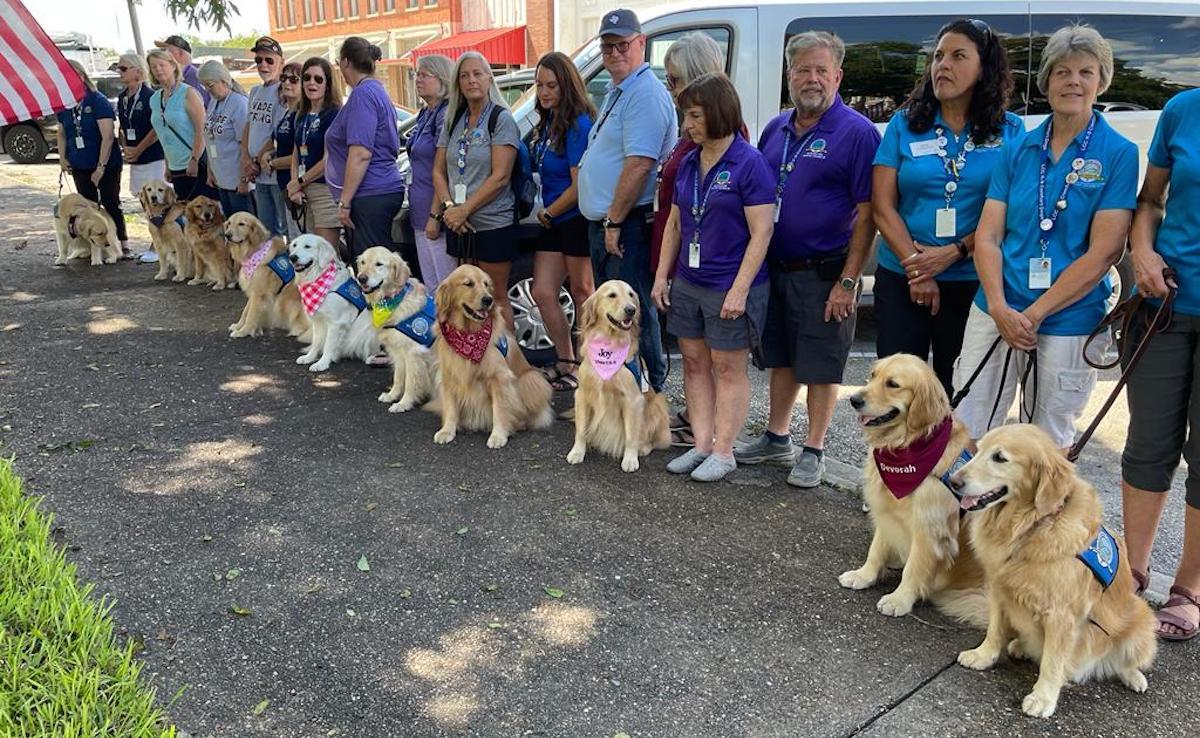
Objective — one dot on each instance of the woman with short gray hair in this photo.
(433, 81)
(224, 126)
(1056, 218)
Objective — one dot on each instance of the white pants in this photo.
(1063, 384)
(140, 174)
(435, 263)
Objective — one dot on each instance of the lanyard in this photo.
(542, 145)
(77, 115)
(953, 167)
(608, 110)
(312, 121)
(785, 165)
(464, 142)
(700, 206)
(428, 116)
(127, 110)
(1046, 223)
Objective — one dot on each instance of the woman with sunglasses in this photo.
(319, 105)
(434, 73)
(931, 176)
(278, 159)
(177, 114)
(224, 126)
(140, 148)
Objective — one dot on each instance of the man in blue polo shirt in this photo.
(822, 153)
(636, 128)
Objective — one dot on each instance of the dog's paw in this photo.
(178, 278)
(895, 604)
(497, 440)
(97, 262)
(1016, 651)
(388, 397)
(218, 286)
(59, 261)
(576, 454)
(978, 659)
(321, 366)
(1037, 705)
(629, 463)
(195, 281)
(305, 359)
(403, 406)
(1134, 679)
(160, 277)
(856, 579)
(445, 435)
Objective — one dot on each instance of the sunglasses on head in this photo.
(314, 78)
(290, 78)
(270, 60)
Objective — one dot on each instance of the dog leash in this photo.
(1124, 314)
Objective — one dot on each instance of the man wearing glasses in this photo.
(636, 127)
(181, 51)
(265, 111)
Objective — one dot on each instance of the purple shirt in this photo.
(367, 119)
(739, 180)
(191, 75)
(830, 177)
(422, 148)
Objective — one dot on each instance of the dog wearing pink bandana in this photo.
(485, 383)
(612, 413)
(271, 302)
(341, 324)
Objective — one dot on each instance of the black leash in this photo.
(1024, 414)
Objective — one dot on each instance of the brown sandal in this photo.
(1180, 597)
(1141, 580)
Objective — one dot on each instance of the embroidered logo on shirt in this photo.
(1092, 171)
(816, 149)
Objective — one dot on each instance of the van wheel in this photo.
(530, 330)
(25, 144)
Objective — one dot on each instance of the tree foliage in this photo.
(196, 13)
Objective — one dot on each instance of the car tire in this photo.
(25, 144)
(530, 331)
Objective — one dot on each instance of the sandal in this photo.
(561, 381)
(1142, 581)
(379, 360)
(679, 421)
(1188, 629)
(682, 437)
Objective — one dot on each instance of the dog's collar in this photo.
(383, 309)
(72, 230)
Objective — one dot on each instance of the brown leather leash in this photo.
(1124, 314)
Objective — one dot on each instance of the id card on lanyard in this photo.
(945, 221)
(1040, 267)
(698, 209)
(310, 121)
(786, 166)
(77, 117)
(464, 148)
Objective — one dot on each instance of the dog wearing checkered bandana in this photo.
(341, 329)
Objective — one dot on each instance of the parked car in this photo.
(30, 141)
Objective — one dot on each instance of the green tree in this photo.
(198, 12)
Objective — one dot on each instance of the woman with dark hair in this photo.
(566, 113)
(278, 157)
(361, 146)
(319, 106)
(932, 171)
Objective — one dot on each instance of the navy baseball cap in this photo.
(178, 42)
(620, 22)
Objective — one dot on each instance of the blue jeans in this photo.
(634, 268)
(272, 210)
(233, 201)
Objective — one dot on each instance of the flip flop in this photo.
(379, 360)
(1179, 597)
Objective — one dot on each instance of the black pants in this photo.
(187, 187)
(108, 194)
(905, 327)
(372, 217)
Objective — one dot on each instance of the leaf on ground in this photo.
(232, 574)
(239, 611)
(395, 465)
(371, 506)
(570, 512)
(463, 488)
(554, 592)
(89, 405)
(239, 484)
(463, 530)
(494, 626)
(363, 564)
(491, 587)
(405, 593)
(312, 588)
(351, 613)
(206, 539)
(622, 734)
(261, 707)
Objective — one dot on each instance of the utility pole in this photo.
(137, 32)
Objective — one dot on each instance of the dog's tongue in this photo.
(967, 503)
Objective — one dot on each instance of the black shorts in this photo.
(796, 335)
(496, 246)
(569, 238)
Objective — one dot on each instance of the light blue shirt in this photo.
(637, 118)
(921, 178)
(1107, 181)
(1176, 146)
(173, 125)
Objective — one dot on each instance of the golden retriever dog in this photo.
(83, 228)
(163, 211)
(612, 414)
(267, 278)
(332, 299)
(1034, 522)
(404, 318)
(914, 440)
(485, 382)
(210, 256)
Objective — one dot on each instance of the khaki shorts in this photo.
(320, 209)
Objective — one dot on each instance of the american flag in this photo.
(35, 79)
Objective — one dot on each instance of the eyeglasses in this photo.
(672, 81)
(290, 78)
(314, 78)
(123, 69)
(619, 47)
(425, 75)
(268, 60)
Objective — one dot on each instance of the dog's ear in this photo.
(441, 300)
(258, 231)
(1055, 478)
(396, 271)
(587, 314)
(929, 405)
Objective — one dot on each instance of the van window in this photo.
(1154, 57)
(656, 51)
(886, 55)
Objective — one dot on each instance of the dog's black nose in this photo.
(362, 279)
(487, 301)
(857, 402)
(292, 258)
(630, 310)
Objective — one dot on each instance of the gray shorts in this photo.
(795, 333)
(696, 313)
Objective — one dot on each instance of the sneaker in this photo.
(760, 449)
(808, 471)
(148, 257)
(714, 468)
(686, 463)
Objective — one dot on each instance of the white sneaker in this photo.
(148, 257)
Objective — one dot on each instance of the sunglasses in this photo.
(269, 60)
(672, 81)
(314, 78)
(123, 69)
(290, 78)
(619, 47)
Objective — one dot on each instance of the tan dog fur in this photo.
(1045, 604)
(381, 274)
(269, 303)
(210, 256)
(615, 417)
(96, 232)
(503, 395)
(158, 199)
(922, 531)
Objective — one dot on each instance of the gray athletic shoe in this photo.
(687, 462)
(760, 449)
(714, 469)
(808, 471)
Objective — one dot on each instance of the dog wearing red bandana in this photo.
(914, 441)
(341, 324)
(485, 383)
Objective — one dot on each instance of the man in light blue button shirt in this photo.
(636, 128)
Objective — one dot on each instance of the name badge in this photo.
(1039, 273)
(694, 255)
(460, 194)
(79, 142)
(924, 148)
(304, 150)
(946, 223)
(212, 151)
(300, 170)
(130, 135)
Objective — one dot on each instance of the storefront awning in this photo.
(500, 45)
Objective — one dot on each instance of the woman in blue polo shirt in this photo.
(279, 157)
(1162, 403)
(88, 151)
(319, 105)
(932, 171)
(717, 238)
(1056, 218)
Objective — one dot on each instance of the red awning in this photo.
(499, 45)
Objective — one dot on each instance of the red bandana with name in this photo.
(313, 293)
(904, 469)
(471, 345)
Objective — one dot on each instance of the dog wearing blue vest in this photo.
(267, 279)
(1060, 591)
(612, 413)
(484, 382)
(333, 301)
(164, 215)
(83, 229)
(404, 317)
(914, 442)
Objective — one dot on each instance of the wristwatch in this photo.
(848, 283)
(610, 223)
(447, 204)
(342, 206)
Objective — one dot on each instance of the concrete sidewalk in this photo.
(194, 478)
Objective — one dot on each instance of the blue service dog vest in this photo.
(1102, 557)
(419, 325)
(352, 293)
(282, 266)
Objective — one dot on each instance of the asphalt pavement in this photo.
(271, 534)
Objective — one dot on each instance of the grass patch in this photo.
(62, 672)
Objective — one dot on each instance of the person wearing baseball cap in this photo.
(266, 111)
(181, 51)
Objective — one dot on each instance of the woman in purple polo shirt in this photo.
(722, 217)
(434, 75)
(361, 147)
